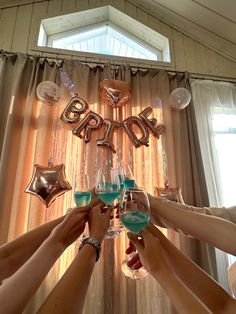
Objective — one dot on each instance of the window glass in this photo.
(106, 40)
(224, 126)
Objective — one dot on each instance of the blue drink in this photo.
(135, 221)
(129, 183)
(108, 197)
(82, 198)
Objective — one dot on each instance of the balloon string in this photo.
(165, 167)
(53, 141)
(67, 82)
(63, 148)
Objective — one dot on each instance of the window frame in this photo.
(62, 54)
(157, 52)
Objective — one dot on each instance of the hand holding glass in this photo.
(82, 196)
(129, 181)
(108, 189)
(135, 216)
(82, 191)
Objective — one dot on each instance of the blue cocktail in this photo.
(82, 198)
(135, 216)
(108, 190)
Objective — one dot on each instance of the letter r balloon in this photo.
(87, 126)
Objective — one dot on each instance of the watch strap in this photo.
(94, 242)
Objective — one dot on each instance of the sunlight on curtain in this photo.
(31, 132)
(80, 157)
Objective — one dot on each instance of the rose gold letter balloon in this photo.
(71, 113)
(87, 127)
(106, 142)
(127, 124)
(47, 183)
(155, 127)
(115, 93)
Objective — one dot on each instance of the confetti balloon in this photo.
(48, 92)
(179, 98)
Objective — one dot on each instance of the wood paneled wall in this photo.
(19, 31)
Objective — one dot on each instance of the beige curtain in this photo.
(189, 174)
(31, 132)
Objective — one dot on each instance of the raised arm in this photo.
(69, 294)
(15, 253)
(16, 292)
(211, 229)
(153, 259)
(216, 299)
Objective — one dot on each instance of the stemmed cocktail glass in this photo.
(135, 216)
(108, 189)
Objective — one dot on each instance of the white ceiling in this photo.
(212, 22)
(217, 16)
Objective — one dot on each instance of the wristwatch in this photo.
(94, 242)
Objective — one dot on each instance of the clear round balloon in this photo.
(179, 98)
(48, 92)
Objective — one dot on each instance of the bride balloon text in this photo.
(116, 94)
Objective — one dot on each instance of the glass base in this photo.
(133, 273)
(114, 229)
(112, 234)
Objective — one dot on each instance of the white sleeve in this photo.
(221, 212)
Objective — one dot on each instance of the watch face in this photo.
(95, 242)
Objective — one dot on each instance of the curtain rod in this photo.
(142, 67)
(191, 75)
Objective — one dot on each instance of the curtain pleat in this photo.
(190, 176)
(31, 132)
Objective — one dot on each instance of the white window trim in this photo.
(56, 53)
(145, 45)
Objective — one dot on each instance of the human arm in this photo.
(15, 253)
(216, 299)
(170, 193)
(69, 294)
(181, 297)
(20, 287)
(199, 225)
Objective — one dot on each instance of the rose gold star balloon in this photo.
(47, 183)
(115, 93)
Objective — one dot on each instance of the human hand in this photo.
(171, 193)
(150, 253)
(73, 225)
(134, 262)
(93, 193)
(99, 222)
